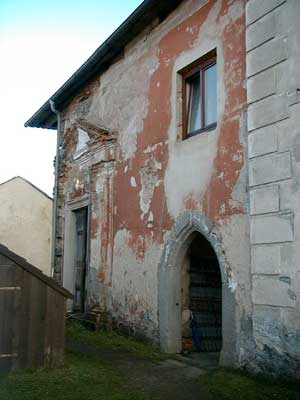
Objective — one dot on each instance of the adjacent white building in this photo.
(25, 221)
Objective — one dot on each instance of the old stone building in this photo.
(178, 207)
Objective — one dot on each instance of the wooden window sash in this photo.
(202, 105)
(204, 83)
(192, 70)
(187, 107)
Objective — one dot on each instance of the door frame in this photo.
(69, 244)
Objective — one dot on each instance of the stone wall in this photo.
(273, 96)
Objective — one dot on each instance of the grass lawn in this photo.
(82, 378)
(89, 377)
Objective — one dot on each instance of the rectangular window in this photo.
(199, 89)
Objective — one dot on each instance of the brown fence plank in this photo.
(5, 260)
(50, 326)
(55, 321)
(59, 340)
(7, 275)
(24, 318)
(36, 327)
(6, 309)
(16, 327)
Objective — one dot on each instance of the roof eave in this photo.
(101, 59)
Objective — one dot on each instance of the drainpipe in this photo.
(55, 190)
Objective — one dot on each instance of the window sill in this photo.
(199, 131)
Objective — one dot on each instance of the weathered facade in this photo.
(148, 191)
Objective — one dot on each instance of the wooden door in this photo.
(80, 259)
(206, 302)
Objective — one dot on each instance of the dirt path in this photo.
(168, 379)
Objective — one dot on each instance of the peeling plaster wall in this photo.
(134, 294)
(140, 176)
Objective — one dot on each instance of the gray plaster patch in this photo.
(82, 143)
(149, 180)
(296, 148)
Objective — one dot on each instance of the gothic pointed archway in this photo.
(176, 255)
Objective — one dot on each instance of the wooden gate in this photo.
(32, 315)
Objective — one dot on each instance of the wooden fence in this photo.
(32, 315)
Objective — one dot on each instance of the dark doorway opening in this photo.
(202, 299)
(80, 259)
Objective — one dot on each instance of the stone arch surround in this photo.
(169, 285)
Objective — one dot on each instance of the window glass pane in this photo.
(194, 105)
(210, 95)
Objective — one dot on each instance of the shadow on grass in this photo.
(83, 377)
(112, 340)
(229, 384)
(86, 376)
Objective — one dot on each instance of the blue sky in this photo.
(41, 44)
(89, 14)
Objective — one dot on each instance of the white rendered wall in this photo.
(25, 222)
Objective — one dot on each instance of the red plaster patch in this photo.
(138, 244)
(229, 160)
(190, 203)
(101, 276)
(156, 125)
(77, 193)
(94, 227)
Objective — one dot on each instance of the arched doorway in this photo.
(174, 259)
(201, 297)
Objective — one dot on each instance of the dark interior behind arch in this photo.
(201, 298)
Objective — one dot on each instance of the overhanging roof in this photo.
(146, 13)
